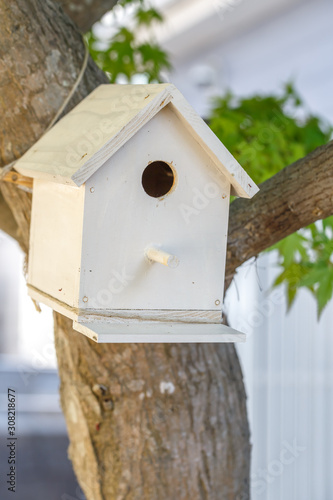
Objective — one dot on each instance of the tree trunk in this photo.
(145, 421)
(154, 421)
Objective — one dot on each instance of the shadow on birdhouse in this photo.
(130, 217)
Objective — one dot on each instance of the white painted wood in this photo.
(79, 144)
(89, 134)
(159, 332)
(121, 315)
(121, 221)
(56, 240)
(123, 330)
(156, 255)
(241, 182)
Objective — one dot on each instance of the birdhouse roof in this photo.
(80, 143)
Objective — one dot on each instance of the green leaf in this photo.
(324, 290)
(328, 223)
(125, 56)
(291, 276)
(146, 17)
(314, 276)
(290, 246)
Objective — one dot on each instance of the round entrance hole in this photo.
(157, 179)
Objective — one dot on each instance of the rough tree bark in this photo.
(85, 13)
(144, 421)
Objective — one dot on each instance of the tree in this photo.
(144, 421)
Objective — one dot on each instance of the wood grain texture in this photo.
(56, 240)
(55, 304)
(79, 144)
(123, 315)
(144, 326)
(93, 131)
(185, 316)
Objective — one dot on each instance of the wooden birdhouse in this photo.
(130, 217)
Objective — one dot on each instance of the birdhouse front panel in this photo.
(160, 192)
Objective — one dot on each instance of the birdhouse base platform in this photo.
(158, 332)
(122, 330)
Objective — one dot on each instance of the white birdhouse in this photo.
(130, 217)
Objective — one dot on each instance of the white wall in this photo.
(10, 271)
(25, 334)
(287, 364)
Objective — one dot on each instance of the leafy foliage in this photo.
(266, 133)
(306, 260)
(125, 54)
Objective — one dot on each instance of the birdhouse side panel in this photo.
(159, 197)
(55, 240)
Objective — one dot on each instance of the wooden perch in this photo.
(164, 258)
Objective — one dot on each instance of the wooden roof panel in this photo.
(80, 143)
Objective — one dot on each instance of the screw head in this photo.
(92, 189)
(85, 299)
(217, 302)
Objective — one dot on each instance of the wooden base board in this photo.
(153, 332)
(56, 305)
(124, 315)
(131, 330)
(166, 315)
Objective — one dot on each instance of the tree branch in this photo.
(85, 13)
(294, 198)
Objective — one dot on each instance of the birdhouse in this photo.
(130, 217)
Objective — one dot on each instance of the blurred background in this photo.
(247, 46)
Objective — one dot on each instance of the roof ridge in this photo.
(83, 140)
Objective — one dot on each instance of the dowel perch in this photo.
(162, 257)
